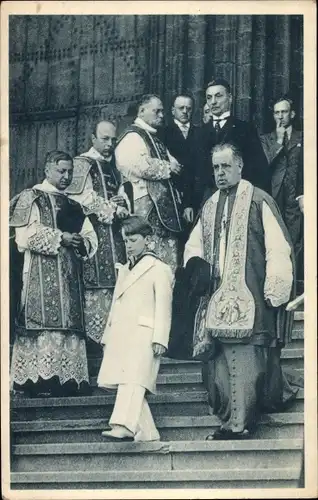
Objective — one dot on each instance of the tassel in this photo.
(231, 333)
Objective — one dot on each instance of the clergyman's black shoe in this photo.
(223, 435)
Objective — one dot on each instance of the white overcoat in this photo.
(140, 315)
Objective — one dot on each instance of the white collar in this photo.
(182, 126)
(47, 187)
(95, 155)
(140, 123)
(222, 117)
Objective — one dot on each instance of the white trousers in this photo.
(132, 411)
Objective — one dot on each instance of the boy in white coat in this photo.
(136, 334)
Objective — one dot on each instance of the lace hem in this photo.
(46, 241)
(49, 354)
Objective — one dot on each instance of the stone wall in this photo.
(68, 71)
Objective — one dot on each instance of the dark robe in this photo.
(191, 283)
(243, 375)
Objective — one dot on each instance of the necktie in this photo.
(184, 131)
(217, 126)
(285, 139)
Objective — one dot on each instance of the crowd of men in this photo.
(225, 207)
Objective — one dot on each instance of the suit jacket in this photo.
(185, 151)
(243, 135)
(140, 315)
(286, 169)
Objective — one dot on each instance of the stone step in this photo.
(171, 379)
(164, 404)
(170, 404)
(298, 326)
(164, 456)
(299, 315)
(181, 428)
(175, 382)
(167, 365)
(183, 403)
(291, 356)
(297, 343)
(278, 477)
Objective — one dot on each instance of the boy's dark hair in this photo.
(135, 224)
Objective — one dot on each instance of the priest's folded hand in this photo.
(119, 200)
(175, 167)
(74, 240)
(78, 243)
(67, 239)
(158, 349)
(122, 212)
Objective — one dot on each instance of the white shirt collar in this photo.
(182, 126)
(49, 188)
(222, 117)
(140, 123)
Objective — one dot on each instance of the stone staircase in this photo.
(57, 442)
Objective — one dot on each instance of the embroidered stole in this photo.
(99, 271)
(231, 309)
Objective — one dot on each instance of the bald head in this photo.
(104, 138)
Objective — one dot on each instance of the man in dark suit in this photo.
(225, 128)
(180, 137)
(284, 152)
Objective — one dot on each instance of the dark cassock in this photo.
(49, 349)
(238, 276)
(229, 129)
(95, 182)
(182, 142)
(286, 168)
(144, 160)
